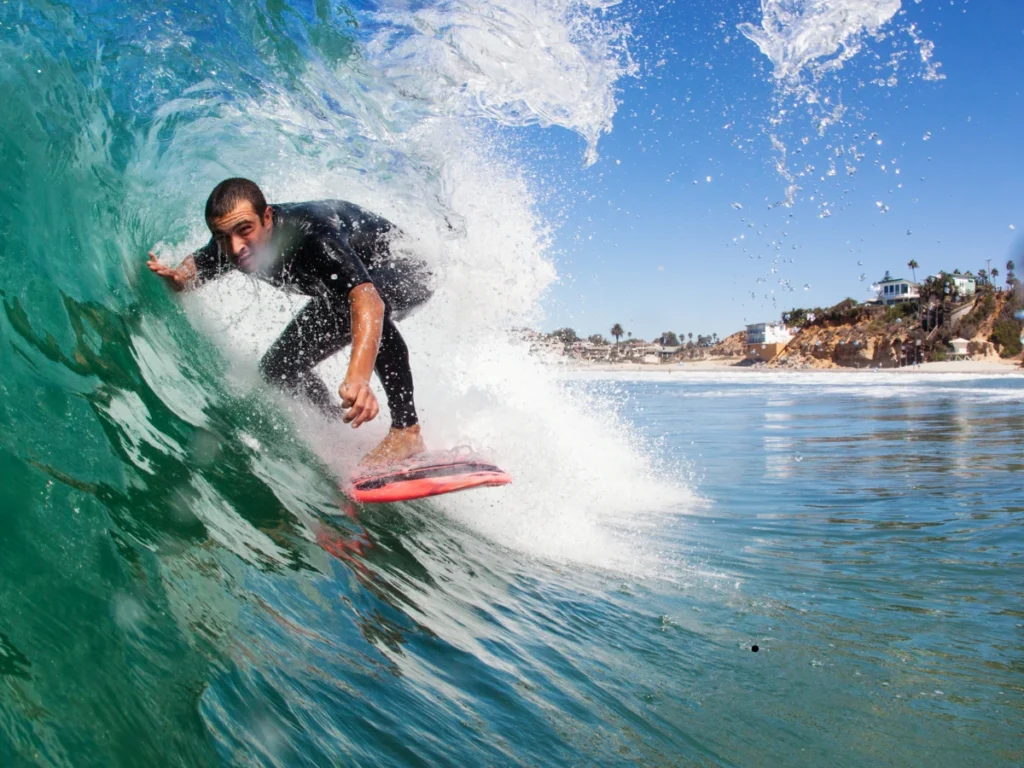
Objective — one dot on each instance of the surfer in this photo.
(340, 256)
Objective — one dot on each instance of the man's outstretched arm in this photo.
(367, 320)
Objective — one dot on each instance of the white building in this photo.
(966, 285)
(897, 290)
(769, 333)
(766, 340)
(960, 349)
(588, 351)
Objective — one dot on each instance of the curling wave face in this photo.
(170, 527)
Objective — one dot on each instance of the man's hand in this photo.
(179, 279)
(367, 319)
(360, 401)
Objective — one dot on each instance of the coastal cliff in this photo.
(852, 335)
(731, 346)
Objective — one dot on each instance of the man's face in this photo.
(243, 234)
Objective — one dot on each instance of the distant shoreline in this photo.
(987, 367)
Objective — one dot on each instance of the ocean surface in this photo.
(181, 582)
(862, 531)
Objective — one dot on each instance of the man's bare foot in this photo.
(399, 444)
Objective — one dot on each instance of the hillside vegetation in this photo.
(853, 335)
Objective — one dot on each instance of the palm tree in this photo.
(913, 268)
(617, 332)
(691, 336)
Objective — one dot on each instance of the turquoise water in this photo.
(181, 582)
(864, 531)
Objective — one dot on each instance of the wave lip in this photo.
(512, 62)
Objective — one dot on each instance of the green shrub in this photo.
(1006, 337)
(900, 311)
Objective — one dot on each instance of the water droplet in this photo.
(927, 136)
(737, 206)
(334, 277)
(807, 286)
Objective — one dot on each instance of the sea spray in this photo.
(469, 213)
(510, 62)
(808, 43)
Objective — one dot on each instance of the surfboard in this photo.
(426, 474)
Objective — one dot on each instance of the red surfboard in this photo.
(423, 475)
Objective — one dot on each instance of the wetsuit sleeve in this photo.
(209, 263)
(341, 268)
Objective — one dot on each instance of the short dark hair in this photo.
(231, 192)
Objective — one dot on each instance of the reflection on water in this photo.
(875, 526)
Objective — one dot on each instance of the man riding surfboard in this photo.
(339, 255)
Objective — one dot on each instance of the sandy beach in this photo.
(985, 367)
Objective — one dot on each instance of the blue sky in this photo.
(644, 239)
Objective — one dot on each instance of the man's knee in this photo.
(275, 368)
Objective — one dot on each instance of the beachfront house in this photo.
(649, 353)
(966, 285)
(893, 290)
(585, 350)
(541, 343)
(766, 340)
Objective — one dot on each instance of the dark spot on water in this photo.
(754, 648)
(13, 662)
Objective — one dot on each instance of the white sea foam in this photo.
(998, 387)
(516, 62)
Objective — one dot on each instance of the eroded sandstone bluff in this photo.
(852, 335)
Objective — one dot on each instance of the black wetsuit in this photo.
(324, 249)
